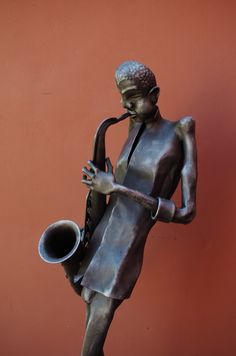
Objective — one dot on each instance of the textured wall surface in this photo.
(56, 68)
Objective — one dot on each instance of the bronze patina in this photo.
(103, 261)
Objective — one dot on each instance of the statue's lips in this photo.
(132, 113)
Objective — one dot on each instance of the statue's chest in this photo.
(151, 155)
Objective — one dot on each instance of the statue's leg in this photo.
(100, 312)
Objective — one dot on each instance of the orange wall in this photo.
(57, 64)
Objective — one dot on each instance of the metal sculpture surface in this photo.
(104, 260)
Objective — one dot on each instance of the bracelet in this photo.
(157, 211)
(165, 210)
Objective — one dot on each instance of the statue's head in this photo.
(138, 89)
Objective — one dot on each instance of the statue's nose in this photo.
(128, 105)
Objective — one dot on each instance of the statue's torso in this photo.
(156, 160)
(115, 253)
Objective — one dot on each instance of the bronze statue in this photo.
(157, 154)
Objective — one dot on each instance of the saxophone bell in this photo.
(62, 243)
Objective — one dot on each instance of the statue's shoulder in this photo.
(185, 126)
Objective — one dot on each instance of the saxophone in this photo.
(63, 241)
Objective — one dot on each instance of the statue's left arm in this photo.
(186, 131)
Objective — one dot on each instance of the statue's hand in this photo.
(102, 182)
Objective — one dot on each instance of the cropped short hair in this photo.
(133, 70)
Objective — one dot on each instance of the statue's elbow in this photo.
(188, 218)
(184, 215)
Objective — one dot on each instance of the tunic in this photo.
(152, 166)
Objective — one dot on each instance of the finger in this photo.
(87, 172)
(94, 168)
(109, 165)
(87, 182)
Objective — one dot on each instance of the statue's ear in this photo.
(154, 94)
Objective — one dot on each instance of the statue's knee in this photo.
(87, 295)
